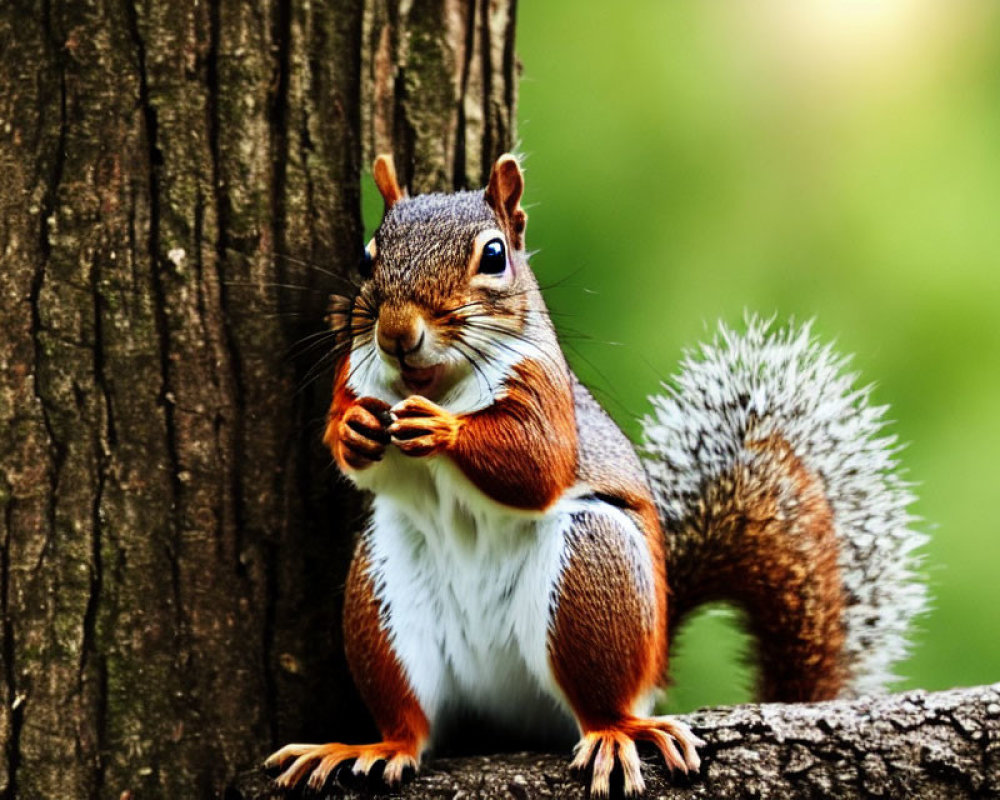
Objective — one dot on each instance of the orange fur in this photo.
(616, 743)
(608, 636)
(398, 326)
(422, 428)
(781, 567)
(521, 451)
(503, 194)
(354, 432)
(607, 648)
(384, 172)
(373, 663)
(384, 688)
(343, 398)
(319, 760)
(605, 640)
(648, 521)
(631, 492)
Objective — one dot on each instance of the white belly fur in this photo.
(467, 584)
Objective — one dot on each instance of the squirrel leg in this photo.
(607, 645)
(383, 685)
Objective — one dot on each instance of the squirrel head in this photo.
(446, 286)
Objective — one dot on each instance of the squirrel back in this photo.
(778, 491)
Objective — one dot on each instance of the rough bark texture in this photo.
(913, 745)
(173, 538)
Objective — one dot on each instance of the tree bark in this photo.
(181, 190)
(914, 745)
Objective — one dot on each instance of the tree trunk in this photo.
(914, 745)
(180, 191)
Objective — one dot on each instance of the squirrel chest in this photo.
(466, 584)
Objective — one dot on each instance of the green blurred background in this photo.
(687, 160)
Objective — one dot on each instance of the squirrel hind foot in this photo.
(320, 760)
(603, 748)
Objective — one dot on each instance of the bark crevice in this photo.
(236, 420)
(486, 53)
(51, 182)
(459, 179)
(92, 654)
(281, 43)
(14, 700)
(166, 397)
(174, 538)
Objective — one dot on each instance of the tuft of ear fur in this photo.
(503, 194)
(384, 172)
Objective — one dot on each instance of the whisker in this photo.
(560, 283)
(359, 304)
(286, 315)
(456, 309)
(542, 354)
(301, 262)
(482, 334)
(361, 312)
(544, 314)
(486, 340)
(321, 336)
(366, 356)
(481, 377)
(314, 341)
(610, 396)
(326, 362)
(502, 331)
(293, 286)
(548, 313)
(332, 353)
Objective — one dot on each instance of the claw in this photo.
(421, 428)
(363, 764)
(395, 768)
(604, 763)
(680, 733)
(583, 752)
(320, 774)
(603, 748)
(320, 760)
(631, 767)
(296, 772)
(279, 757)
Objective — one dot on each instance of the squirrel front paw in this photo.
(422, 428)
(363, 432)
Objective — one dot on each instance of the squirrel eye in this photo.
(493, 260)
(366, 265)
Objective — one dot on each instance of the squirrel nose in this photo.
(400, 330)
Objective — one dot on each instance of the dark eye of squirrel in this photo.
(365, 267)
(493, 260)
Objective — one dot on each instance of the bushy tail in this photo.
(779, 492)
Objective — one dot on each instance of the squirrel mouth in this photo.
(421, 380)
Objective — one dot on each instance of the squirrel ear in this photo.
(384, 172)
(503, 194)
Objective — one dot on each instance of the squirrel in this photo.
(523, 564)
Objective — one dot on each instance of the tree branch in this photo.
(913, 745)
